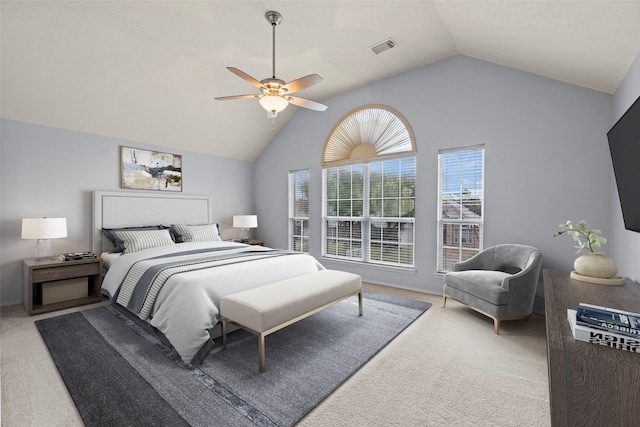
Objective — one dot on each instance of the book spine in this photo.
(603, 338)
(607, 319)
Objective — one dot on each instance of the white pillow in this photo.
(198, 233)
(137, 240)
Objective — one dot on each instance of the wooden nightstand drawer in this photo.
(64, 272)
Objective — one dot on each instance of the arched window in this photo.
(369, 176)
(367, 133)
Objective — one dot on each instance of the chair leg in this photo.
(496, 325)
(444, 301)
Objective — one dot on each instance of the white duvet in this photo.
(187, 306)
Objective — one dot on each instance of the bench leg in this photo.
(224, 333)
(261, 352)
(360, 303)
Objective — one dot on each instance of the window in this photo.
(368, 188)
(392, 210)
(369, 212)
(299, 210)
(460, 205)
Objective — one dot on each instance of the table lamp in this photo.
(44, 230)
(245, 222)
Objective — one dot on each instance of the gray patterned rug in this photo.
(120, 374)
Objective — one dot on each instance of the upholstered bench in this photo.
(266, 309)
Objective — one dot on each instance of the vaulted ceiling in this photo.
(148, 71)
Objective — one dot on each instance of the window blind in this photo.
(460, 205)
(299, 210)
(369, 212)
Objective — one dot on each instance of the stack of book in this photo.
(606, 326)
(74, 256)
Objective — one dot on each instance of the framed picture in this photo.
(150, 170)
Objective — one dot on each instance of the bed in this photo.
(177, 287)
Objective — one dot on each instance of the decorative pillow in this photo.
(144, 239)
(118, 244)
(195, 233)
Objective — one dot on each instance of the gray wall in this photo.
(547, 158)
(624, 245)
(53, 172)
(547, 161)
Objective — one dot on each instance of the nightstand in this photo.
(54, 285)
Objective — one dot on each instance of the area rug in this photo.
(119, 373)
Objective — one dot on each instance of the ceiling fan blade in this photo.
(302, 83)
(226, 98)
(246, 77)
(306, 103)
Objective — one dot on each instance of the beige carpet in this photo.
(447, 368)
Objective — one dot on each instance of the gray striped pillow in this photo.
(137, 240)
(198, 233)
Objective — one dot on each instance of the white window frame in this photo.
(298, 241)
(360, 242)
(463, 245)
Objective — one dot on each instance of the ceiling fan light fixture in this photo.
(273, 103)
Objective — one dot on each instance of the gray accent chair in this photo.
(499, 282)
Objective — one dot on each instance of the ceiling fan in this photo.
(276, 94)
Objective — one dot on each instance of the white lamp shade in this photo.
(245, 221)
(273, 103)
(44, 228)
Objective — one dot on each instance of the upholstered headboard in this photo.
(116, 209)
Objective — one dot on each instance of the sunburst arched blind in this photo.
(367, 133)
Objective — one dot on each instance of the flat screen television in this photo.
(624, 144)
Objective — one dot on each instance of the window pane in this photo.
(375, 184)
(391, 207)
(392, 242)
(407, 208)
(375, 207)
(376, 251)
(460, 202)
(332, 208)
(407, 232)
(344, 229)
(301, 196)
(332, 184)
(344, 208)
(299, 210)
(357, 208)
(344, 183)
(358, 183)
(301, 228)
(376, 230)
(390, 196)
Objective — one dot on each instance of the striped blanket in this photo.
(146, 277)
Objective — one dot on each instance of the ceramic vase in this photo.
(595, 264)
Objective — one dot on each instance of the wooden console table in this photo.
(589, 384)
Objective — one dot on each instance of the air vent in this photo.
(382, 46)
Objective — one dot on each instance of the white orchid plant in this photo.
(579, 232)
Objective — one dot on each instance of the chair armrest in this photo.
(532, 268)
